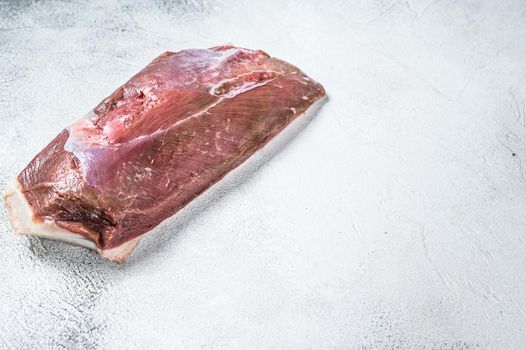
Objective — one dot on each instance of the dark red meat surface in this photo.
(161, 139)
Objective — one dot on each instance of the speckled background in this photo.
(396, 219)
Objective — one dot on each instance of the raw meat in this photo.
(155, 144)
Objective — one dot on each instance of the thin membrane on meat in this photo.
(156, 143)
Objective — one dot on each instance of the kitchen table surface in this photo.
(395, 219)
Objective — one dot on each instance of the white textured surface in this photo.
(395, 219)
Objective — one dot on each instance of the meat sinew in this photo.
(156, 143)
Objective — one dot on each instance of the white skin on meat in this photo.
(21, 216)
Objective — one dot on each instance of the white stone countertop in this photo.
(396, 219)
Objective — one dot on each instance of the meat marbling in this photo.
(156, 143)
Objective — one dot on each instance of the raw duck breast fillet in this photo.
(156, 143)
